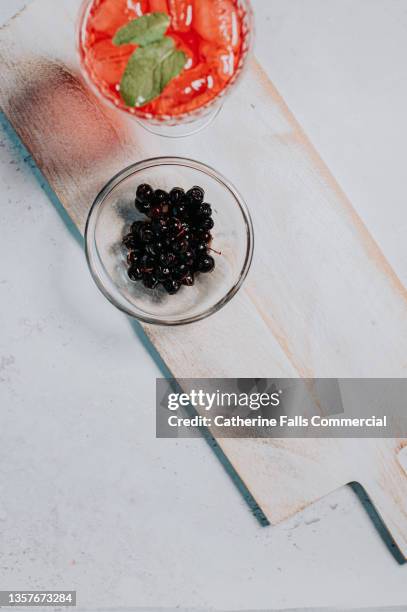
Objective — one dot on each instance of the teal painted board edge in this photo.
(375, 517)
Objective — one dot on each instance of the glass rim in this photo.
(96, 266)
(138, 114)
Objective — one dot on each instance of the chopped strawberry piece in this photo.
(191, 51)
(191, 89)
(140, 7)
(181, 12)
(217, 21)
(221, 59)
(109, 61)
(109, 17)
(158, 6)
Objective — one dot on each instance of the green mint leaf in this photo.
(172, 66)
(143, 31)
(149, 70)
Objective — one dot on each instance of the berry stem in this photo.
(214, 251)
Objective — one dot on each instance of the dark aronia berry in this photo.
(204, 210)
(135, 273)
(147, 263)
(160, 197)
(150, 281)
(155, 248)
(174, 224)
(163, 273)
(130, 241)
(168, 242)
(160, 227)
(164, 259)
(180, 210)
(186, 225)
(172, 286)
(176, 195)
(180, 246)
(155, 211)
(196, 195)
(143, 207)
(187, 258)
(172, 245)
(204, 236)
(188, 280)
(180, 271)
(144, 192)
(136, 227)
(134, 257)
(207, 223)
(184, 231)
(146, 234)
(206, 264)
(200, 248)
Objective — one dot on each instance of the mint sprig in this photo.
(153, 64)
(143, 31)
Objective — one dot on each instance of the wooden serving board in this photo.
(321, 299)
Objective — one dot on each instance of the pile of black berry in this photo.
(172, 244)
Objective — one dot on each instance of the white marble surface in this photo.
(89, 499)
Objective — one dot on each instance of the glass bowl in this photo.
(177, 126)
(112, 214)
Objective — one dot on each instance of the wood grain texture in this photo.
(321, 299)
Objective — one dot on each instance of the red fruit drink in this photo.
(212, 34)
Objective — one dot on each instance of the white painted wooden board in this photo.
(321, 299)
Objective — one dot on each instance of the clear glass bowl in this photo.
(112, 214)
(168, 126)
